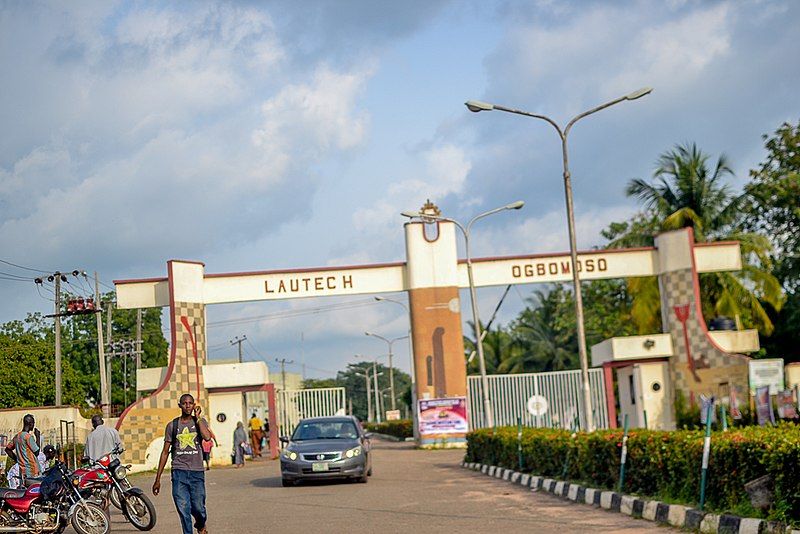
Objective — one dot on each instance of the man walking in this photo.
(102, 440)
(183, 439)
(256, 434)
(24, 449)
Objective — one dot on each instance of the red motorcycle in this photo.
(49, 505)
(106, 480)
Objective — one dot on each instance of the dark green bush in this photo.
(662, 464)
(403, 428)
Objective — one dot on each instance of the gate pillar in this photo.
(699, 366)
(144, 421)
(432, 281)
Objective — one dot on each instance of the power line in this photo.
(293, 313)
(26, 268)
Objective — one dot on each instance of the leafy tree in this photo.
(314, 383)
(355, 385)
(773, 209)
(687, 192)
(497, 347)
(27, 376)
(80, 365)
(774, 202)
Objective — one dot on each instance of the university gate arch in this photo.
(432, 275)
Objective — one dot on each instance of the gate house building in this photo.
(433, 275)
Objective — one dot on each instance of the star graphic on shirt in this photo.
(186, 439)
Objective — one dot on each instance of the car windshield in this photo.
(325, 430)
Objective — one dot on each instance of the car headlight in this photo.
(352, 453)
(120, 472)
(290, 455)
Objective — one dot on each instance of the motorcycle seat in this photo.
(8, 493)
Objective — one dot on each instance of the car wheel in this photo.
(363, 479)
(369, 473)
(286, 483)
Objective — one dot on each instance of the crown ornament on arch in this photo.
(429, 208)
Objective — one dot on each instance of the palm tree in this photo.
(539, 344)
(496, 347)
(686, 192)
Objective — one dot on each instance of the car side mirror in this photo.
(367, 435)
(284, 440)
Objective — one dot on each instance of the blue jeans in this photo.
(189, 494)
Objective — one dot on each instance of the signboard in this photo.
(443, 416)
(764, 406)
(537, 405)
(786, 408)
(767, 372)
(392, 415)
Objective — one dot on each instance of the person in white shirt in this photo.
(102, 440)
(13, 476)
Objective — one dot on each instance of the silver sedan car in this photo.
(326, 448)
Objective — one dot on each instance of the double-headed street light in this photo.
(477, 106)
(487, 405)
(389, 342)
(375, 375)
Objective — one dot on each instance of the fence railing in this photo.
(294, 405)
(562, 390)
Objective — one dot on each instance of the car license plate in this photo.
(319, 466)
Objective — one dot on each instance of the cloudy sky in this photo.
(268, 135)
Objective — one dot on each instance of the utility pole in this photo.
(377, 402)
(283, 362)
(138, 349)
(101, 352)
(238, 341)
(57, 280)
(109, 339)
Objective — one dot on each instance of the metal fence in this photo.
(509, 396)
(294, 405)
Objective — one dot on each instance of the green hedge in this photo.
(403, 428)
(660, 464)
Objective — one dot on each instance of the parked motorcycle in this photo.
(49, 505)
(106, 481)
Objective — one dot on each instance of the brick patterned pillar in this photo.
(432, 272)
(699, 365)
(144, 421)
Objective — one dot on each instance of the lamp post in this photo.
(477, 106)
(375, 375)
(487, 405)
(412, 365)
(389, 342)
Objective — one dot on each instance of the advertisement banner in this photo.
(764, 406)
(736, 413)
(786, 409)
(443, 416)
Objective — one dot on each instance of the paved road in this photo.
(410, 491)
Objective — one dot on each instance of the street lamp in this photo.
(477, 106)
(389, 342)
(487, 405)
(412, 367)
(375, 375)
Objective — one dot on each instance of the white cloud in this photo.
(443, 173)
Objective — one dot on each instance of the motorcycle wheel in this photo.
(115, 496)
(90, 518)
(139, 511)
